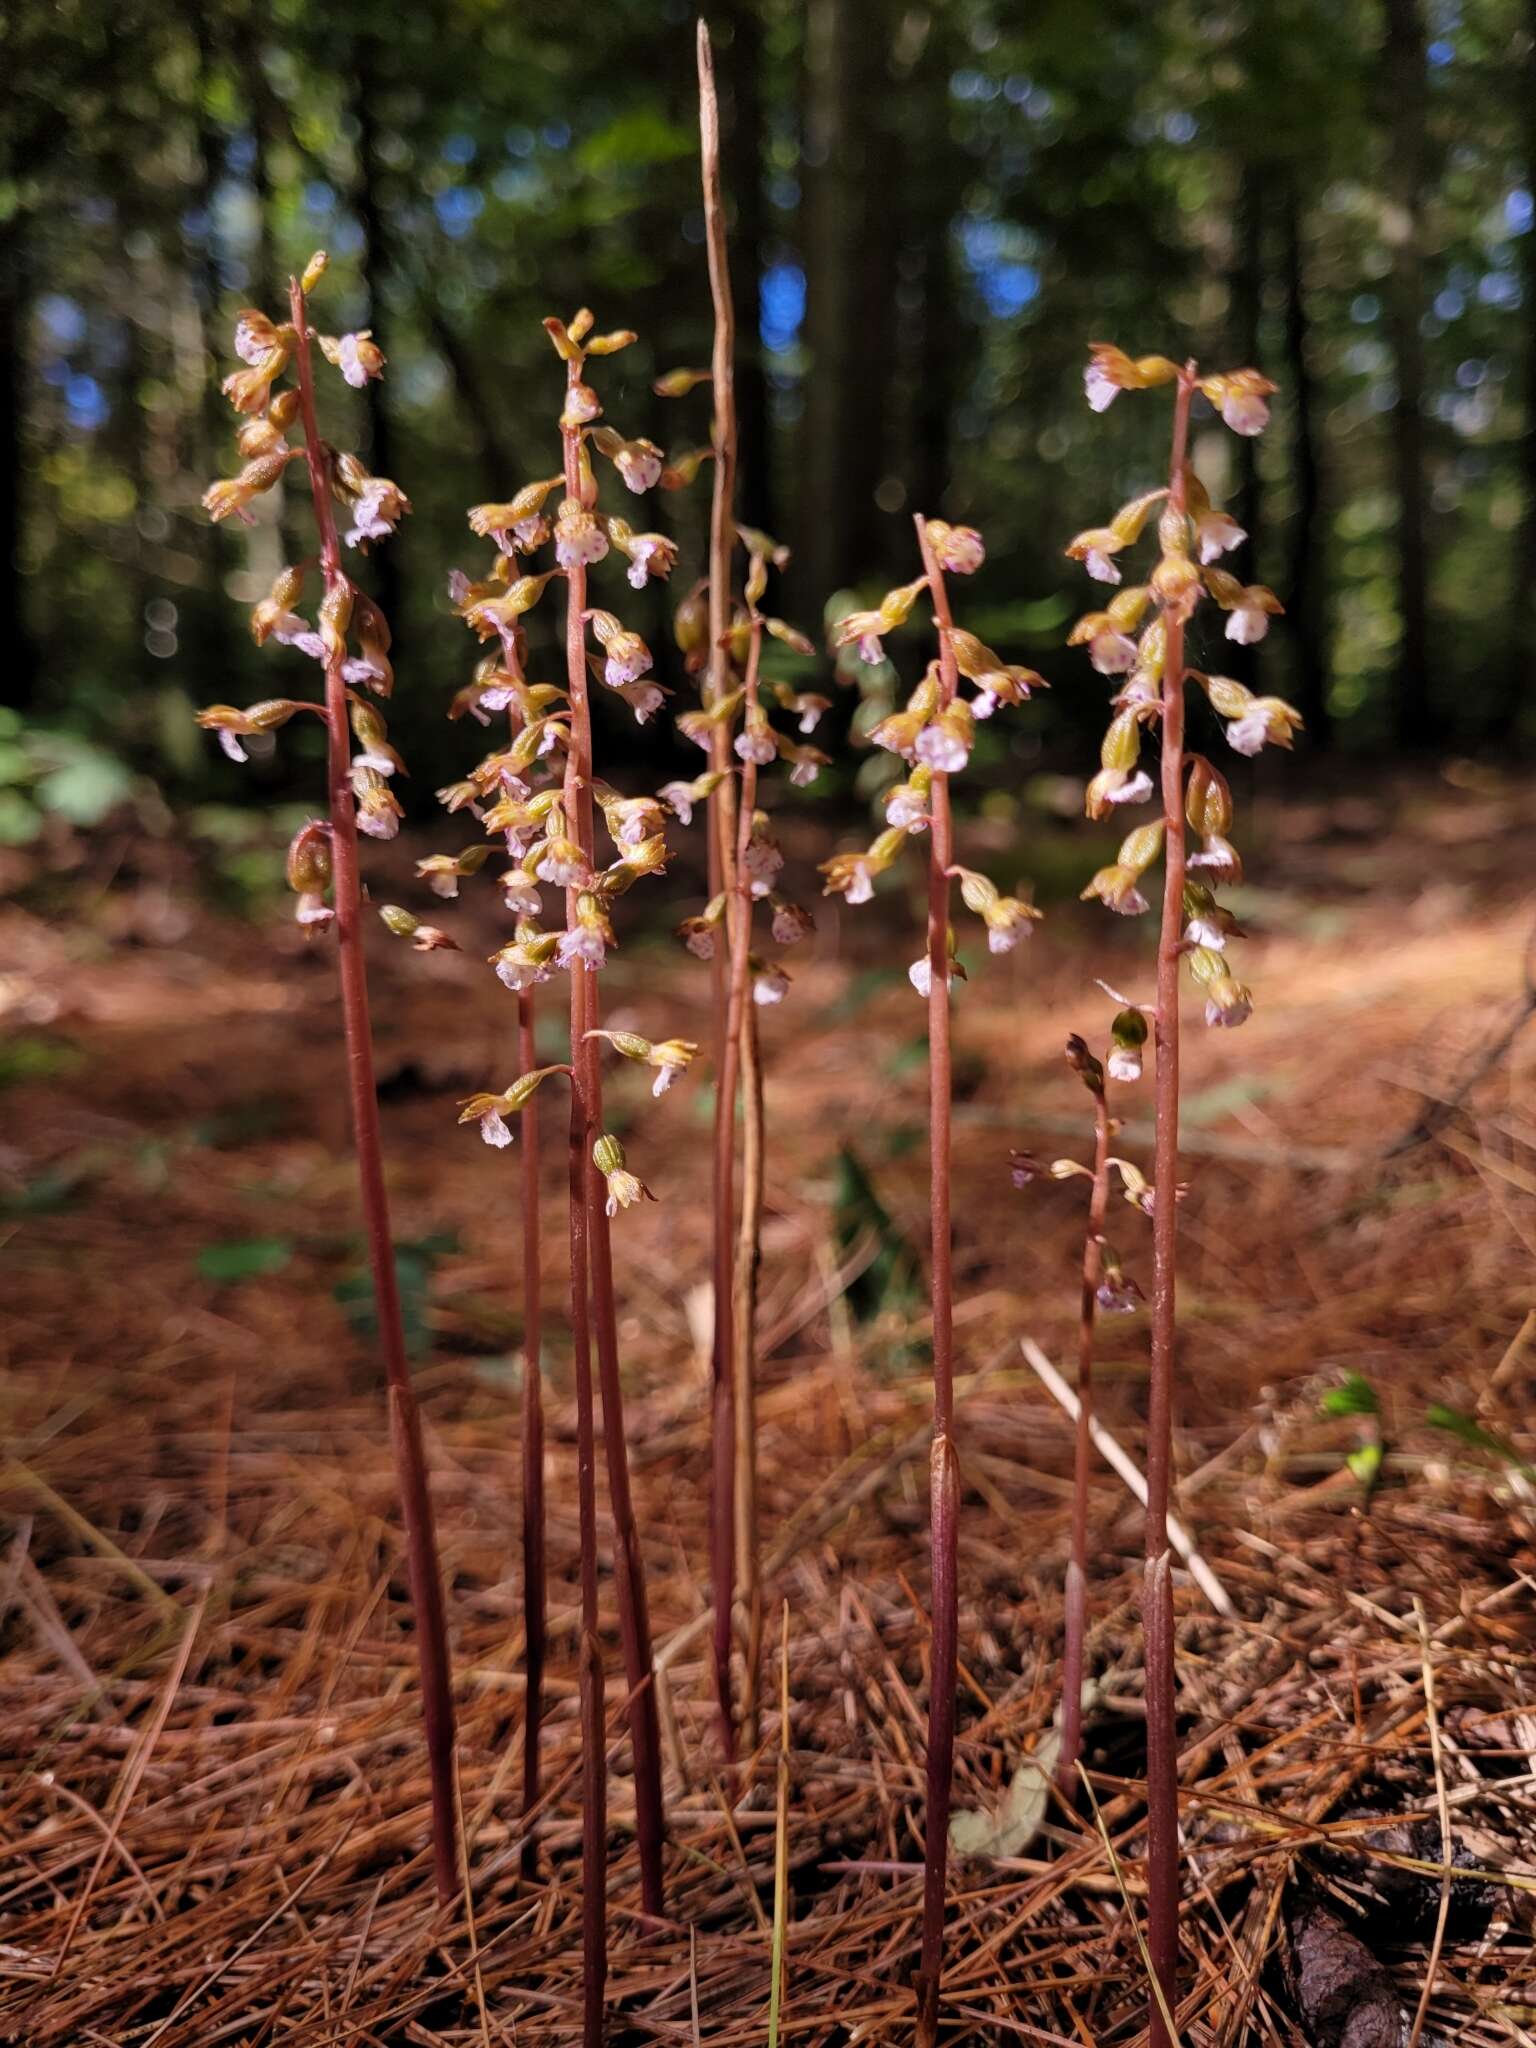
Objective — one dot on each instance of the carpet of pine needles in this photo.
(212, 1798)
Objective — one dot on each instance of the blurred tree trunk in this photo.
(1406, 124)
(881, 206)
(1304, 594)
(21, 655)
(849, 216)
(1516, 690)
(745, 149)
(1246, 302)
(934, 396)
(378, 260)
(828, 211)
(246, 34)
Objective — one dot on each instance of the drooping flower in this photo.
(376, 511)
(770, 983)
(791, 922)
(906, 805)
(1117, 1293)
(527, 960)
(357, 356)
(756, 744)
(579, 537)
(1216, 533)
(1116, 889)
(945, 743)
(639, 464)
(624, 1187)
(958, 549)
(650, 554)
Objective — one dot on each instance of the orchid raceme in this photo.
(934, 732)
(536, 798)
(349, 638)
(1139, 636)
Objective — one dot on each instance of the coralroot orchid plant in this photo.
(1146, 654)
(545, 821)
(350, 640)
(1106, 1288)
(746, 856)
(720, 638)
(934, 736)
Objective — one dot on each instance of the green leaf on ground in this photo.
(249, 1258)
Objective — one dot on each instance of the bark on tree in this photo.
(1304, 593)
(20, 685)
(1406, 135)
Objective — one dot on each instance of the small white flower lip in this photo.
(494, 1129)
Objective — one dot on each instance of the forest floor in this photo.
(212, 1797)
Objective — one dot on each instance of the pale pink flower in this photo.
(942, 749)
(293, 631)
(494, 1129)
(1101, 567)
(1112, 653)
(906, 809)
(769, 985)
(578, 539)
(1215, 533)
(313, 913)
(756, 746)
(520, 895)
(962, 551)
(1247, 623)
(374, 512)
(1245, 413)
(639, 464)
(642, 555)
(518, 975)
(583, 943)
(1246, 735)
(678, 797)
(352, 363)
(1100, 390)
(1134, 790)
(644, 699)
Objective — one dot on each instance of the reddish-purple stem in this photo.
(944, 1484)
(1157, 1591)
(587, 1096)
(594, 1762)
(1077, 1563)
(535, 1596)
(404, 1417)
(722, 825)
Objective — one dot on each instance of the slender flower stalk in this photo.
(944, 1479)
(934, 735)
(1153, 675)
(535, 1594)
(1076, 1617)
(587, 1113)
(749, 1554)
(721, 640)
(547, 822)
(326, 855)
(725, 1392)
(1157, 1586)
